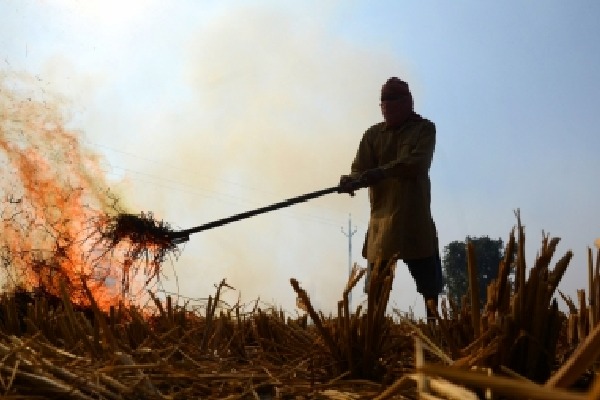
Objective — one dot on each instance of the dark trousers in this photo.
(426, 272)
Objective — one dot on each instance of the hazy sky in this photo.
(204, 109)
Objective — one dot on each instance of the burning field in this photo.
(80, 319)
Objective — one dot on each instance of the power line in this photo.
(174, 184)
(195, 191)
(211, 194)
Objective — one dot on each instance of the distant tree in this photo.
(488, 253)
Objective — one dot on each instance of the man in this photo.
(393, 161)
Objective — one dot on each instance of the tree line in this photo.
(488, 253)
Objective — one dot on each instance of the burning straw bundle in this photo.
(147, 237)
(143, 231)
(142, 238)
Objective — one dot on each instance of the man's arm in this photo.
(365, 158)
(363, 161)
(416, 163)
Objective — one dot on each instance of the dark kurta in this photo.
(401, 221)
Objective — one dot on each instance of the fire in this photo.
(55, 205)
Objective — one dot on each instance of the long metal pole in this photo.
(184, 235)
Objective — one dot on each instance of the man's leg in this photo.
(427, 274)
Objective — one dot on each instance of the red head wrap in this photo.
(397, 102)
(393, 89)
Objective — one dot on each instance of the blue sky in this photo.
(204, 109)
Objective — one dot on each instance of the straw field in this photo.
(517, 345)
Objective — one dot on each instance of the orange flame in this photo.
(55, 200)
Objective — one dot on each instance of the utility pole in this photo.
(349, 235)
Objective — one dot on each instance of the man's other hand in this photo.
(371, 177)
(348, 185)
